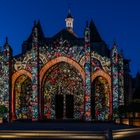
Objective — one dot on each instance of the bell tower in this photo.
(69, 21)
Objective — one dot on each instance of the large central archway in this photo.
(63, 92)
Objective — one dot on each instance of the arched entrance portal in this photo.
(100, 99)
(63, 92)
(23, 92)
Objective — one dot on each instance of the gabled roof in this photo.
(94, 34)
(101, 48)
(40, 31)
(97, 44)
(69, 36)
(27, 44)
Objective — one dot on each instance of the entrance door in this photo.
(59, 106)
(69, 106)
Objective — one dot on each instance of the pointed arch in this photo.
(14, 78)
(103, 74)
(61, 59)
(51, 63)
(108, 78)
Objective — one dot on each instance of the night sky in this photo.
(115, 20)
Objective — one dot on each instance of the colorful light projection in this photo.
(96, 65)
(6, 75)
(2, 90)
(23, 96)
(99, 62)
(35, 79)
(63, 78)
(100, 99)
(121, 81)
(87, 75)
(115, 80)
(62, 48)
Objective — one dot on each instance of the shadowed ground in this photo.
(63, 125)
(68, 130)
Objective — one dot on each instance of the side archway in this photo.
(101, 100)
(103, 74)
(14, 78)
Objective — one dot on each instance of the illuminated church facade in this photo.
(62, 77)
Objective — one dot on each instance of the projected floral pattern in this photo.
(87, 75)
(99, 62)
(5, 69)
(101, 98)
(63, 78)
(121, 81)
(115, 81)
(23, 92)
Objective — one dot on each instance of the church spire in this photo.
(6, 45)
(6, 41)
(69, 21)
(7, 49)
(94, 34)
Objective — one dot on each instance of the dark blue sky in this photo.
(115, 19)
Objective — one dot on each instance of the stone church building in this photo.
(62, 77)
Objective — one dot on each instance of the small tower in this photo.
(115, 80)
(7, 50)
(69, 21)
(87, 74)
(35, 72)
(7, 78)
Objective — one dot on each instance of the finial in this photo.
(87, 23)
(69, 8)
(114, 42)
(6, 40)
(69, 11)
(69, 14)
